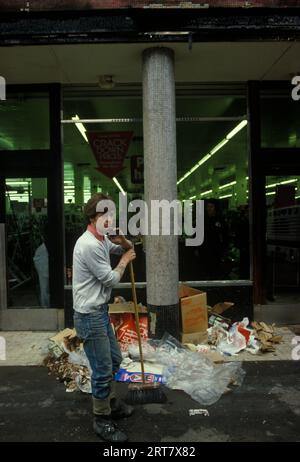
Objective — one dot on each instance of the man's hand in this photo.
(128, 256)
(120, 239)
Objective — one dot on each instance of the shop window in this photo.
(27, 242)
(280, 116)
(283, 239)
(24, 121)
(213, 166)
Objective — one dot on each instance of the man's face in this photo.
(103, 223)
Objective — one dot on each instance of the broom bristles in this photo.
(140, 393)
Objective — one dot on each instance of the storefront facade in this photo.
(225, 131)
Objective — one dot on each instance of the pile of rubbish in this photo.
(197, 365)
(202, 324)
(167, 361)
(230, 339)
(67, 361)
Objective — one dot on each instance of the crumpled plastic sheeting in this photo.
(148, 351)
(194, 373)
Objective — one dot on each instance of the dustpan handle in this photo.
(137, 321)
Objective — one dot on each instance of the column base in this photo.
(164, 319)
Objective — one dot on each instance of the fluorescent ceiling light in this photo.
(204, 159)
(237, 129)
(232, 183)
(80, 127)
(226, 196)
(206, 192)
(288, 181)
(271, 193)
(184, 177)
(119, 186)
(196, 166)
(16, 183)
(193, 197)
(273, 185)
(218, 147)
(215, 149)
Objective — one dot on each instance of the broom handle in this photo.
(137, 321)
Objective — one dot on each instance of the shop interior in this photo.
(212, 165)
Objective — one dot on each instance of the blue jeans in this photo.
(101, 348)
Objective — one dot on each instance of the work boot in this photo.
(119, 409)
(103, 425)
(107, 430)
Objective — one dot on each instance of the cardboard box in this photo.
(196, 338)
(123, 321)
(125, 330)
(219, 308)
(127, 307)
(193, 307)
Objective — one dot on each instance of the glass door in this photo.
(27, 257)
(31, 209)
(283, 244)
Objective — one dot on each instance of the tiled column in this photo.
(159, 122)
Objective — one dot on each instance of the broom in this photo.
(142, 393)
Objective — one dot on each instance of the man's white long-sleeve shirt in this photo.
(93, 277)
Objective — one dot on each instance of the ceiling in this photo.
(206, 62)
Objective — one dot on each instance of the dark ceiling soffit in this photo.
(136, 26)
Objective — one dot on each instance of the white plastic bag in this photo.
(78, 357)
(194, 373)
(234, 343)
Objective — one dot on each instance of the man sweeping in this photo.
(93, 280)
